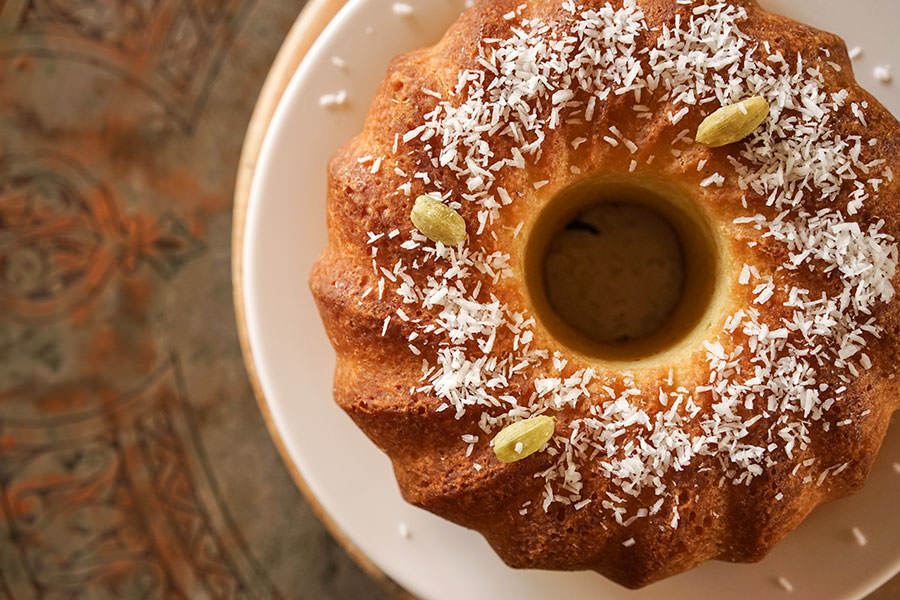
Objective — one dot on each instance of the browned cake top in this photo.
(777, 400)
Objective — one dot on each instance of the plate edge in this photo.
(314, 17)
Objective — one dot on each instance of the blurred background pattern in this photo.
(133, 460)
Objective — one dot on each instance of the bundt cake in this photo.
(764, 389)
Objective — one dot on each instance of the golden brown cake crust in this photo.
(376, 371)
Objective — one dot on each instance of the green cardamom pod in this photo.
(523, 438)
(437, 221)
(733, 123)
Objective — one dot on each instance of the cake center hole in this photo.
(624, 269)
(616, 272)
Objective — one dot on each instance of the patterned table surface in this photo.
(133, 459)
(134, 462)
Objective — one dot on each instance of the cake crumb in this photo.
(859, 536)
(883, 73)
(855, 52)
(785, 584)
(403, 530)
(402, 9)
(334, 100)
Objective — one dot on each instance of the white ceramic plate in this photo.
(285, 231)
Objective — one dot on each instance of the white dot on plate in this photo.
(785, 584)
(403, 530)
(882, 73)
(402, 9)
(336, 99)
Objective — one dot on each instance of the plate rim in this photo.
(315, 16)
(310, 23)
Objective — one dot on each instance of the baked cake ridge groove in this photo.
(781, 369)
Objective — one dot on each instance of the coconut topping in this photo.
(765, 390)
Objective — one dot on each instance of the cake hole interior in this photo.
(616, 272)
(622, 268)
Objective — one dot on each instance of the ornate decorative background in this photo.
(133, 460)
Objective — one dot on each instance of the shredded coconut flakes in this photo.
(763, 394)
